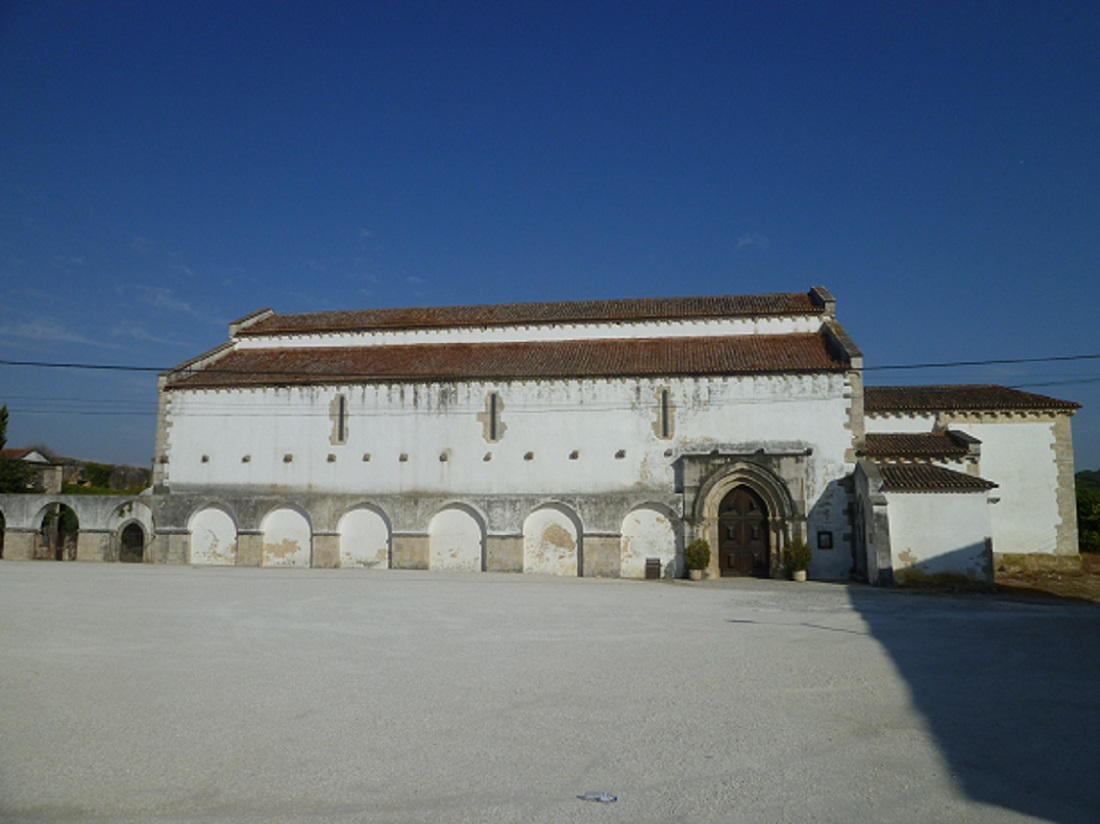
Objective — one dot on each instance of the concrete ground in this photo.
(170, 694)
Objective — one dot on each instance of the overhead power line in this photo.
(991, 362)
(106, 367)
(275, 372)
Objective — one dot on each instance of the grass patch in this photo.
(1063, 576)
(939, 581)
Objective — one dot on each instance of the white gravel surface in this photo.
(139, 693)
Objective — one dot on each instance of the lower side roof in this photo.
(532, 360)
(928, 478)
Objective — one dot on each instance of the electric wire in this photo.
(29, 404)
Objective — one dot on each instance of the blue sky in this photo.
(166, 167)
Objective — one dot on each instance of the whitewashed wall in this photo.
(575, 436)
(1018, 455)
(939, 533)
(899, 423)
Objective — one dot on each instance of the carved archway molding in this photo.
(785, 520)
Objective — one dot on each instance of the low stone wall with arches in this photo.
(612, 535)
(76, 527)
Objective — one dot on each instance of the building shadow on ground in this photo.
(1010, 689)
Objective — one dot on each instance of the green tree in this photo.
(15, 475)
(1088, 520)
(1088, 479)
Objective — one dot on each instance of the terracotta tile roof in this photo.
(928, 478)
(616, 357)
(527, 314)
(913, 445)
(964, 397)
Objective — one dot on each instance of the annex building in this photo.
(587, 438)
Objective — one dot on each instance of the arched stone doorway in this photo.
(744, 547)
(132, 544)
(746, 512)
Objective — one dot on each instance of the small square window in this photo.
(824, 540)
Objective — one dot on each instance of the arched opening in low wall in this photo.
(58, 533)
(287, 538)
(364, 538)
(552, 536)
(132, 544)
(456, 540)
(213, 538)
(650, 531)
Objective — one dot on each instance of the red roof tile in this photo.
(964, 397)
(528, 314)
(928, 478)
(913, 445)
(616, 357)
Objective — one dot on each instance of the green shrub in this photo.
(1089, 540)
(797, 554)
(99, 475)
(1088, 519)
(697, 554)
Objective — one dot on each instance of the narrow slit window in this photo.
(663, 425)
(338, 414)
(492, 424)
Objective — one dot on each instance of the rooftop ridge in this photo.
(773, 304)
(957, 397)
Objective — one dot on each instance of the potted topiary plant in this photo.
(797, 555)
(697, 558)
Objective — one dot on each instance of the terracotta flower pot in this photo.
(695, 574)
(798, 575)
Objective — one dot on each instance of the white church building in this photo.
(594, 438)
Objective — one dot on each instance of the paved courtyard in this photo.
(138, 693)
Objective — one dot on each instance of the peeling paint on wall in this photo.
(550, 542)
(287, 539)
(456, 541)
(648, 533)
(213, 539)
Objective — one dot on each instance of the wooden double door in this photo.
(743, 534)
